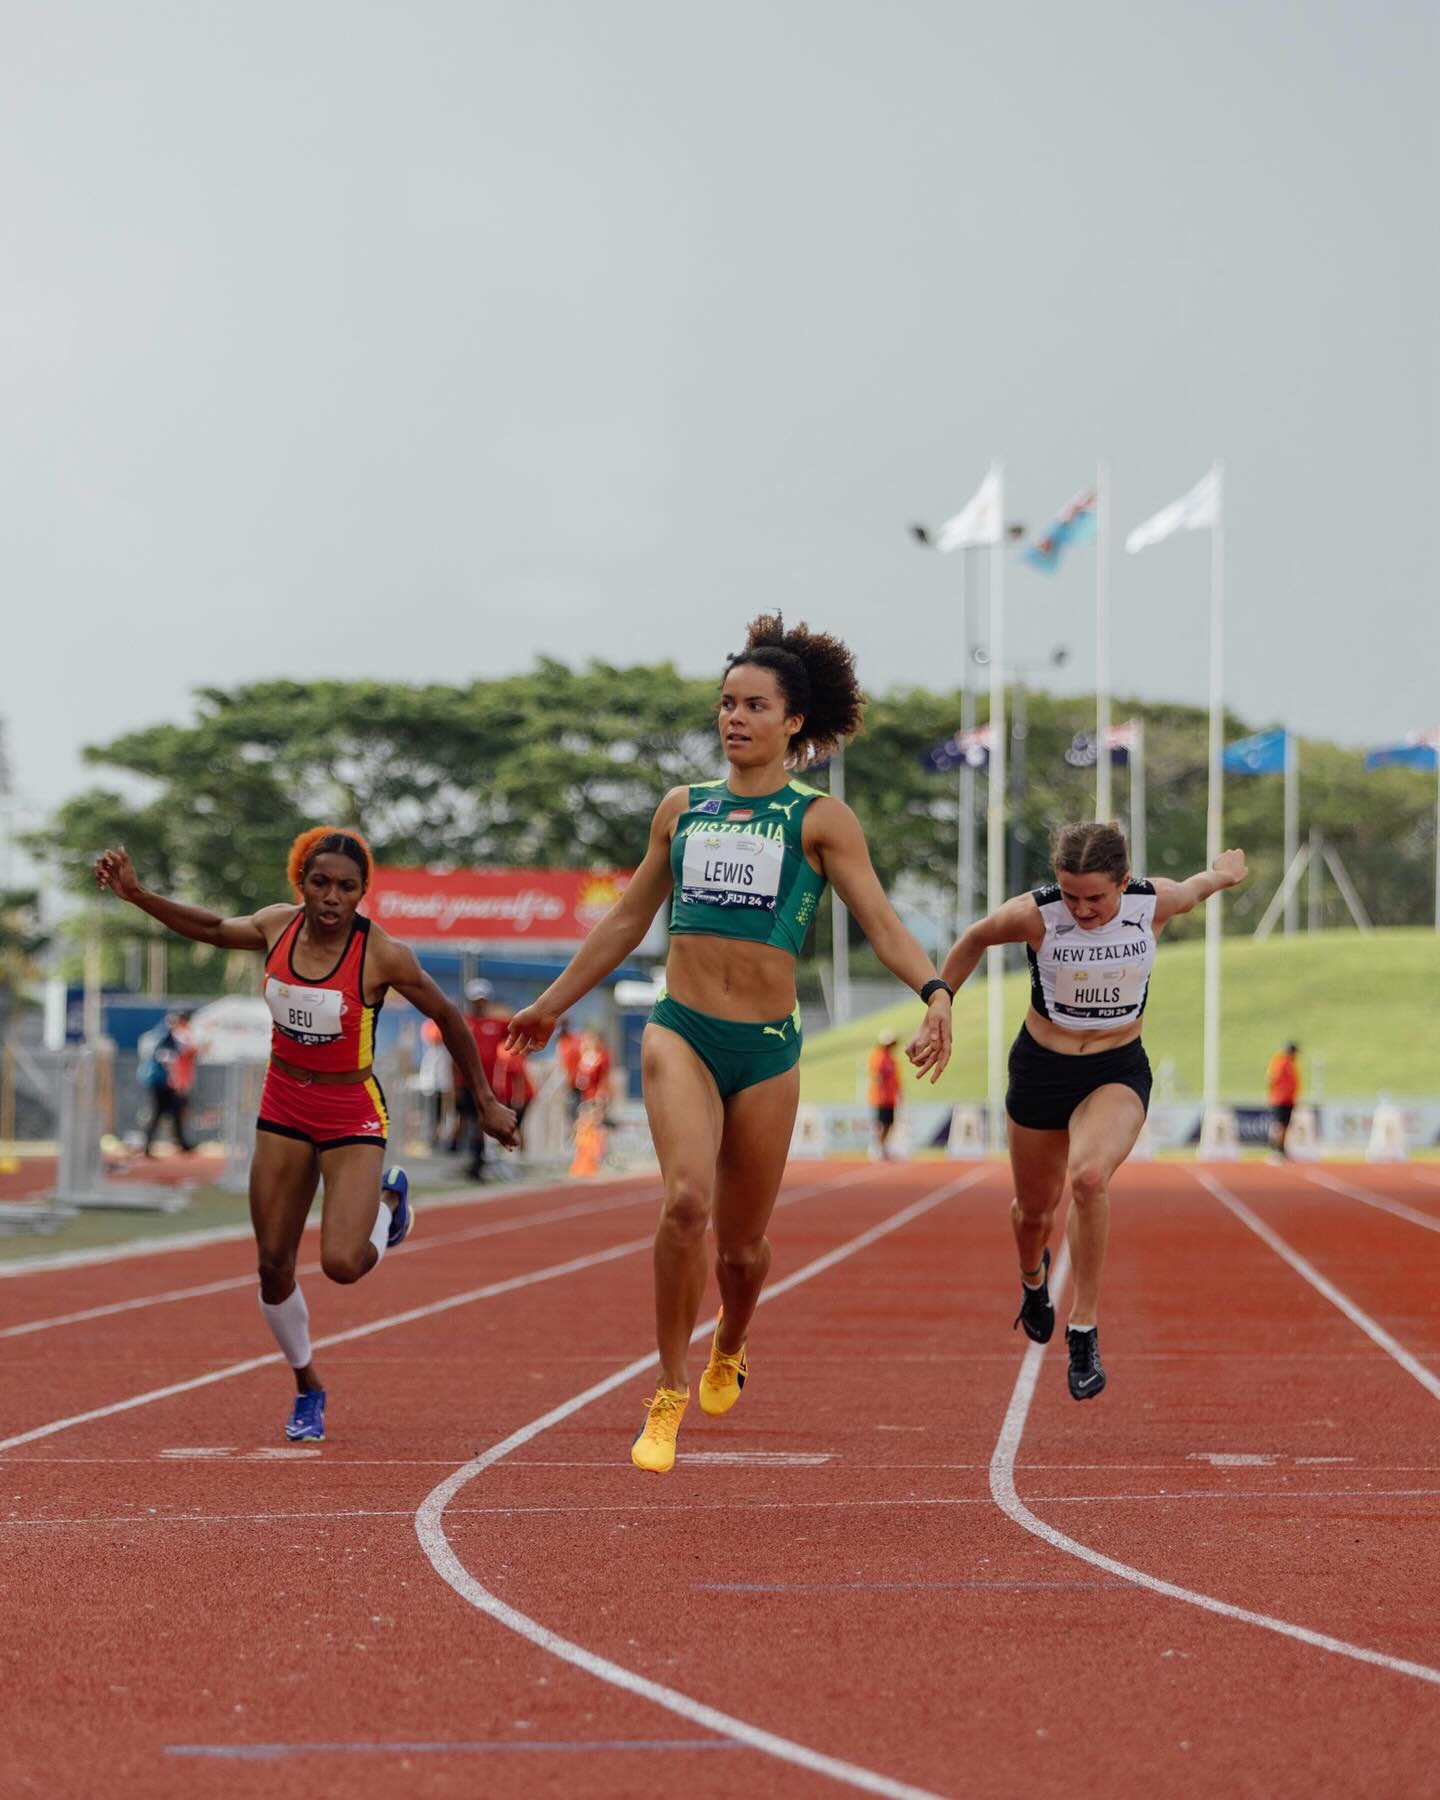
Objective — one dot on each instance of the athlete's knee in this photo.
(687, 1207)
(1088, 1178)
(277, 1273)
(744, 1255)
(345, 1266)
(1035, 1209)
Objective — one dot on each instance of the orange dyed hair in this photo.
(327, 838)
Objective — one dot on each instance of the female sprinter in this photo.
(745, 860)
(1079, 1077)
(322, 1112)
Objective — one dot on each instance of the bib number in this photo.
(1105, 992)
(732, 868)
(308, 1015)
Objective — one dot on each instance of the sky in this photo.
(415, 341)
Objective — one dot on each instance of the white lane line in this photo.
(231, 1234)
(489, 1292)
(1002, 1489)
(430, 1528)
(1378, 1201)
(1356, 1315)
(496, 1228)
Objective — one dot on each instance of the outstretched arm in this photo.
(839, 843)
(114, 870)
(1016, 922)
(398, 967)
(618, 935)
(1172, 897)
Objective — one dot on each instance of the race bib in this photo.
(309, 1015)
(1107, 991)
(732, 868)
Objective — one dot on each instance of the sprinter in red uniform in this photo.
(322, 1112)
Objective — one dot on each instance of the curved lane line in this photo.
(430, 1528)
(1002, 1488)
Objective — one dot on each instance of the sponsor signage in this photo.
(513, 907)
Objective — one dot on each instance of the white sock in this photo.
(1080, 1328)
(380, 1232)
(289, 1324)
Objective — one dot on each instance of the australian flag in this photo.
(1075, 525)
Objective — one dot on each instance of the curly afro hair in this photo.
(321, 840)
(816, 675)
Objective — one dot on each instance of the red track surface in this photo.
(847, 1584)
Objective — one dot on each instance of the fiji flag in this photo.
(1263, 754)
(1075, 525)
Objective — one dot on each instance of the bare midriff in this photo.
(731, 979)
(1078, 1043)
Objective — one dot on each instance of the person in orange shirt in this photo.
(592, 1071)
(1282, 1083)
(567, 1052)
(884, 1073)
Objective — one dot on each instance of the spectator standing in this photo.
(1282, 1085)
(884, 1077)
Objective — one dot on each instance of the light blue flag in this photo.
(1263, 754)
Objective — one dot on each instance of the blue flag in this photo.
(1263, 754)
(1075, 525)
(1418, 755)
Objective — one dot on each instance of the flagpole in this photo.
(839, 917)
(1215, 805)
(1139, 852)
(1292, 826)
(995, 834)
(1102, 640)
(965, 863)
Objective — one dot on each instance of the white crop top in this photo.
(1094, 979)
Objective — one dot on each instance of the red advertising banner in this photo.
(493, 906)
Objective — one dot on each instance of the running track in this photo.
(907, 1564)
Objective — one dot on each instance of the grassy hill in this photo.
(1370, 1007)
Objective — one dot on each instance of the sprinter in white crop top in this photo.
(1079, 1078)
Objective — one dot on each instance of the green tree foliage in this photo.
(563, 767)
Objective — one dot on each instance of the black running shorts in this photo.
(1046, 1087)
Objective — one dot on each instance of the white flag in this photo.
(1197, 510)
(975, 524)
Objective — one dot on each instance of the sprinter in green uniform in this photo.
(744, 862)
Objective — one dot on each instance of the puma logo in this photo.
(780, 807)
(1134, 924)
(770, 1031)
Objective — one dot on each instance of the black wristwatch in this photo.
(930, 987)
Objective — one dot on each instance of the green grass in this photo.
(1368, 1006)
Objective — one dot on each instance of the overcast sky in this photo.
(340, 339)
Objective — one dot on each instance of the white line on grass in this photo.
(1002, 1488)
(430, 1528)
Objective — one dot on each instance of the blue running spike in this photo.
(397, 1182)
(307, 1418)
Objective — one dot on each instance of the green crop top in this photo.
(739, 866)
